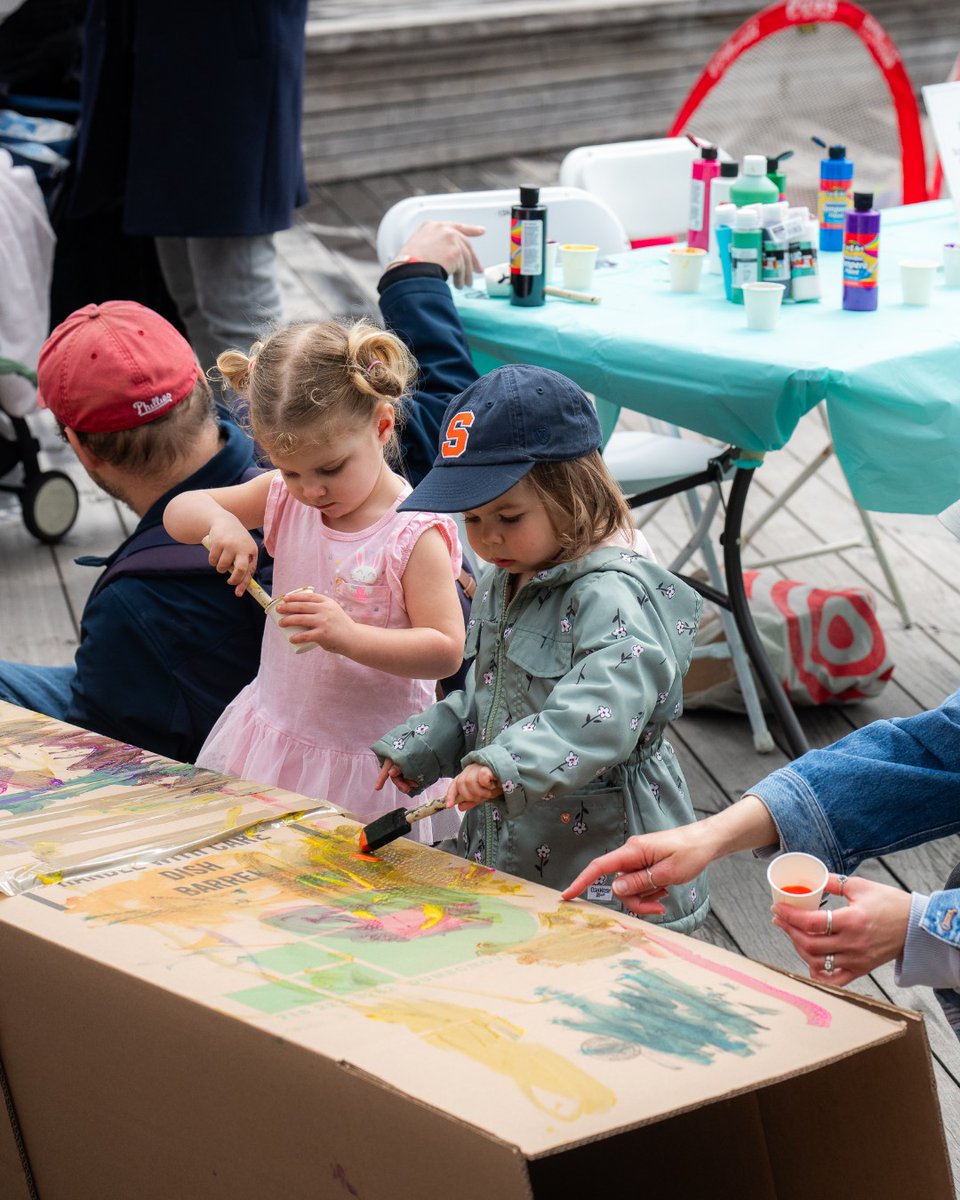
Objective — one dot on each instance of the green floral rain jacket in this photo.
(574, 683)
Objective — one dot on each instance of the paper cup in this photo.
(761, 302)
(916, 280)
(578, 263)
(289, 630)
(951, 264)
(686, 267)
(498, 280)
(797, 879)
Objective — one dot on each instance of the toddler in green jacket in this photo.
(557, 745)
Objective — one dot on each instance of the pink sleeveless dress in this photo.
(306, 721)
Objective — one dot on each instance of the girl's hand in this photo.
(869, 931)
(474, 785)
(391, 771)
(321, 618)
(232, 551)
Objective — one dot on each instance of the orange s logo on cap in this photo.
(455, 443)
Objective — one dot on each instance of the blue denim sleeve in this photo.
(888, 786)
(931, 953)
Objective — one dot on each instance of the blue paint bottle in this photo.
(836, 189)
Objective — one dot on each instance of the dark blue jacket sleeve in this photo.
(422, 313)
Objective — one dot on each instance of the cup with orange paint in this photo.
(797, 879)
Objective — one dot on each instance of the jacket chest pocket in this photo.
(538, 656)
(365, 603)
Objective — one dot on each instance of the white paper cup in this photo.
(951, 264)
(916, 280)
(797, 879)
(578, 262)
(289, 630)
(761, 302)
(498, 280)
(686, 267)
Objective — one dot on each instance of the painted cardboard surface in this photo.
(486, 997)
(71, 800)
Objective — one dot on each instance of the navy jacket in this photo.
(191, 115)
(162, 655)
(416, 305)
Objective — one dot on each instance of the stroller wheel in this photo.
(50, 505)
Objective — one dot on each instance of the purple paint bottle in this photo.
(861, 250)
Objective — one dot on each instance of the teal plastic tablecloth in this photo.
(890, 379)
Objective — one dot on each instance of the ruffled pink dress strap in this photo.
(412, 527)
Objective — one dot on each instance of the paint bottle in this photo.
(836, 188)
(705, 169)
(719, 194)
(775, 262)
(745, 251)
(777, 177)
(723, 217)
(804, 268)
(528, 244)
(861, 251)
(752, 186)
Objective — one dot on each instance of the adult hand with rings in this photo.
(843, 945)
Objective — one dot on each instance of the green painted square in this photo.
(277, 997)
(292, 959)
(350, 977)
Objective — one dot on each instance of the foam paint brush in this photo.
(269, 606)
(395, 824)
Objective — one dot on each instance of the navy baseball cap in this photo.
(494, 432)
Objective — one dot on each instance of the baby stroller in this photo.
(49, 499)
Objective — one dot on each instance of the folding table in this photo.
(890, 379)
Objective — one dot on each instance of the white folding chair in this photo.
(573, 215)
(641, 462)
(646, 183)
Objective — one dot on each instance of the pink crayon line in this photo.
(816, 1014)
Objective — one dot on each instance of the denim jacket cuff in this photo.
(800, 821)
(931, 952)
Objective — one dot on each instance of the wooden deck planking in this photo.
(328, 268)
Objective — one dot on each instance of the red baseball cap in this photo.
(114, 366)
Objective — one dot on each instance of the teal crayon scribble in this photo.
(652, 1010)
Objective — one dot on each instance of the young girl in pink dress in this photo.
(323, 401)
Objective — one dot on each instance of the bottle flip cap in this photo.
(862, 201)
(708, 152)
(774, 161)
(755, 164)
(529, 195)
(832, 151)
(729, 170)
(747, 218)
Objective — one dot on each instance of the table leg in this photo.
(736, 592)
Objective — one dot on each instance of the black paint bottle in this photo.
(528, 246)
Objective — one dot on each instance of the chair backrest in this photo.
(573, 215)
(646, 183)
(800, 68)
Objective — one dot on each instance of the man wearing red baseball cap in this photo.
(164, 643)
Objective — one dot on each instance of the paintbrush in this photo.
(570, 294)
(395, 824)
(259, 594)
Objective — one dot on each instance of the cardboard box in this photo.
(273, 1034)
(278, 1016)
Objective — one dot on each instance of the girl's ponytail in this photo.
(234, 367)
(378, 364)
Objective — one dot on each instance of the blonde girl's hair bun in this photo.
(378, 363)
(234, 368)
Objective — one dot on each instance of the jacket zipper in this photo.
(489, 829)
